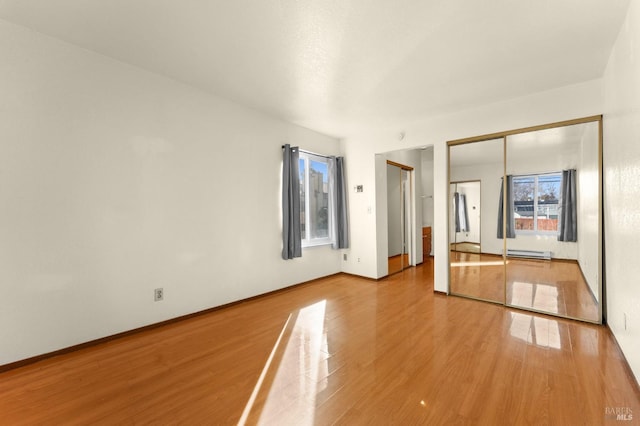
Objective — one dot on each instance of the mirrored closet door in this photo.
(476, 261)
(553, 236)
(541, 223)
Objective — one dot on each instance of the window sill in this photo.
(537, 234)
(324, 242)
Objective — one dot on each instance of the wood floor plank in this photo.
(352, 351)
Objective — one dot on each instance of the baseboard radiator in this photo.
(529, 254)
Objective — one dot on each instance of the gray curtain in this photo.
(342, 222)
(338, 206)
(568, 214)
(511, 225)
(291, 235)
(461, 214)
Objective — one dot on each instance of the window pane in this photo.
(302, 198)
(523, 200)
(548, 195)
(318, 199)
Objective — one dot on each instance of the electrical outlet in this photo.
(358, 260)
(158, 294)
(344, 256)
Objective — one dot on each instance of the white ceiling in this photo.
(337, 66)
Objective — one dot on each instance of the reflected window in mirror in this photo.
(536, 200)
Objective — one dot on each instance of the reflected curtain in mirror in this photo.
(461, 213)
(291, 235)
(568, 213)
(510, 220)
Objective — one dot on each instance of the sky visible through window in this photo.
(318, 167)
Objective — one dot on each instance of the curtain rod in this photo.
(312, 153)
(540, 174)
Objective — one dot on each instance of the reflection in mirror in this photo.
(476, 261)
(552, 220)
(398, 217)
(465, 220)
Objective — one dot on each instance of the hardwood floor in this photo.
(341, 350)
(480, 276)
(554, 286)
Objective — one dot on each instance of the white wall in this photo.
(589, 211)
(621, 158)
(115, 181)
(579, 100)
(378, 265)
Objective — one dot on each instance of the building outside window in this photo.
(314, 200)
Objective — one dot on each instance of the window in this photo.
(536, 203)
(314, 200)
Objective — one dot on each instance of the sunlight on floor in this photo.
(256, 389)
(537, 331)
(535, 295)
(291, 394)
